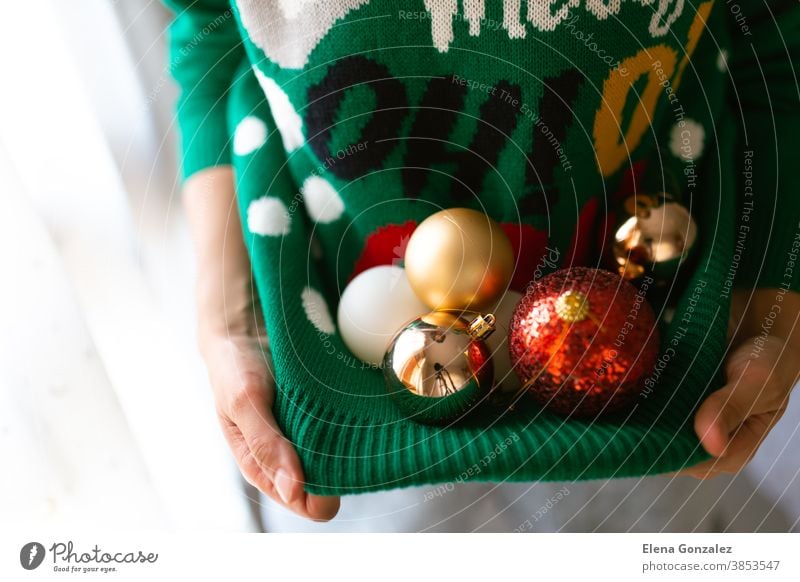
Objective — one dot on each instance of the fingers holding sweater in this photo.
(244, 392)
(738, 448)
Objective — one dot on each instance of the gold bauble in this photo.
(438, 367)
(656, 236)
(459, 259)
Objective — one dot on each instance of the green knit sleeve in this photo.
(205, 49)
(766, 103)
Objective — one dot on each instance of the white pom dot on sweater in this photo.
(722, 61)
(323, 203)
(687, 140)
(250, 134)
(268, 216)
(317, 310)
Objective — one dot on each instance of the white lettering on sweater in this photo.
(289, 30)
(543, 15)
(664, 16)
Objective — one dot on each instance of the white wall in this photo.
(105, 413)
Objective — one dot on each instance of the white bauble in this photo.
(504, 375)
(373, 307)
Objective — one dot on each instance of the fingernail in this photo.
(283, 485)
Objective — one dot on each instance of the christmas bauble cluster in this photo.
(580, 341)
(427, 324)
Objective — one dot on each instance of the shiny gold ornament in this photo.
(459, 259)
(438, 366)
(656, 237)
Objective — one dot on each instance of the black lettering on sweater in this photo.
(428, 144)
(549, 133)
(442, 102)
(380, 131)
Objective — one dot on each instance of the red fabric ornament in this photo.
(529, 247)
(631, 181)
(583, 341)
(582, 248)
(384, 246)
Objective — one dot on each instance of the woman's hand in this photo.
(760, 374)
(234, 346)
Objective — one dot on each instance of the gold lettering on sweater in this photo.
(616, 138)
(613, 143)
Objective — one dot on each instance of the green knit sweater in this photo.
(349, 121)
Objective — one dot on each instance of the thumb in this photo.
(718, 417)
(726, 409)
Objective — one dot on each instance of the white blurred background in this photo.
(106, 419)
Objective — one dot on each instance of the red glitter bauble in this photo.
(583, 341)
